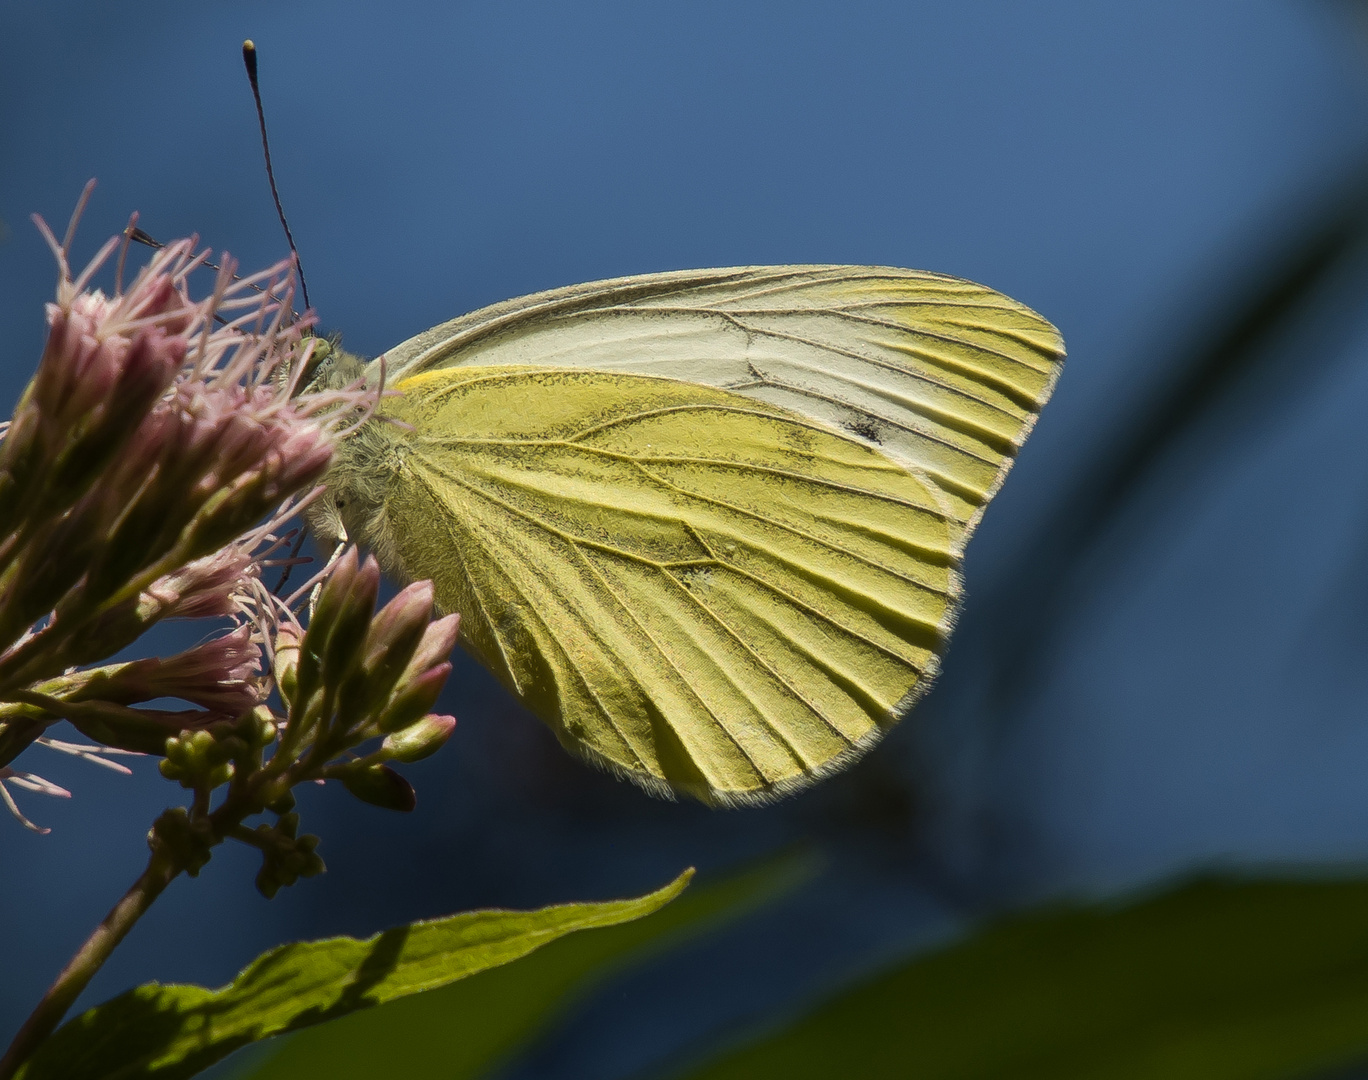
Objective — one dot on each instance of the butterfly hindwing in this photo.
(696, 589)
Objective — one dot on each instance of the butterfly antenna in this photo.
(249, 59)
(138, 236)
(290, 563)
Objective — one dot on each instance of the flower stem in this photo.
(160, 872)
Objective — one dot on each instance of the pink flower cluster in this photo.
(146, 474)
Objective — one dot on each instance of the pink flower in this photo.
(222, 675)
(147, 474)
(199, 407)
(152, 439)
(207, 587)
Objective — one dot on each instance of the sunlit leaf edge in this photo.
(478, 1026)
(174, 1031)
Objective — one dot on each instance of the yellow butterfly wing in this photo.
(731, 580)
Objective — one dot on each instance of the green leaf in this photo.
(1218, 980)
(170, 1032)
(465, 1029)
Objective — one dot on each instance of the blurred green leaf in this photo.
(169, 1032)
(1218, 980)
(465, 1029)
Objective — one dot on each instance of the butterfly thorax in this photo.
(357, 482)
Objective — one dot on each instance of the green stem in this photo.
(279, 775)
(74, 978)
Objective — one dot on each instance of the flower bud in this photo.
(347, 635)
(220, 675)
(396, 632)
(286, 669)
(332, 598)
(197, 760)
(394, 635)
(284, 804)
(58, 553)
(205, 587)
(285, 858)
(419, 740)
(257, 728)
(438, 641)
(305, 453)
(380, 786)
(186, 842)
(413, 699)
(253, 452)
(332, 601)
(98, 377)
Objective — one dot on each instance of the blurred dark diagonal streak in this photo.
(1057, 568)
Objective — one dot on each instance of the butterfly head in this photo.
(352, 506)
(330, 367)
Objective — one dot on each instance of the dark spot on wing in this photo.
(865, 428)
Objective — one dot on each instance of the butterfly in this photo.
(707, 525)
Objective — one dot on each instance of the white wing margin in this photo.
(942, 375)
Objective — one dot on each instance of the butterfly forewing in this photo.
(941, 374)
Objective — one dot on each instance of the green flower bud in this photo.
(333, 595)
(394, 635)
(414, 699)
(347, 637)
(286, 667)
(283, 805)
(381, 786)
(187, 842)
(419, 740)
(438, 641)
(332, 599)
(198, 760)
(257, 728)
(285, 858)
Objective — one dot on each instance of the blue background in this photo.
(1124, 169)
